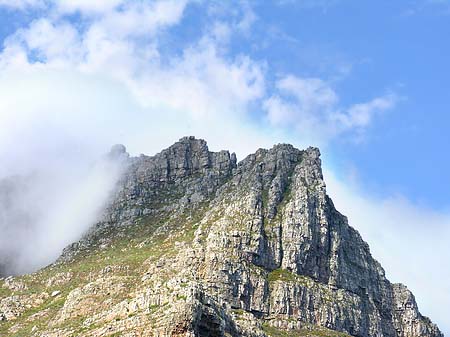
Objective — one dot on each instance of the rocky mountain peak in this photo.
(118, 151)
(195, 244)
(186, 157)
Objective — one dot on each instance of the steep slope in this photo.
(194, 244)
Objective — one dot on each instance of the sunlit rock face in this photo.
(195, 244)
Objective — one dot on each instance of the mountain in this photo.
(195, 244)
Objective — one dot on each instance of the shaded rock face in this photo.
(240, 249)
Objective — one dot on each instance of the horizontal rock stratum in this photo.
(195, 244)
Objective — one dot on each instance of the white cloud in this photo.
(114, 32)
(311, 106)
(440, 7)
(141, 18)
(22, 4)
(311, 97)
(323, 4)
(200, 81)
(410, 241)
(360, 115)
(87, 6)
(248, 19)
(52, 42)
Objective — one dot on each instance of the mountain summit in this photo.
(193, 243)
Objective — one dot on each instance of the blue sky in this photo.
(383, 46)
(365, 81)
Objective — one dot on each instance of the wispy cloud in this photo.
(324, 4)
(311, 105)
(439, 7)
(23, 4)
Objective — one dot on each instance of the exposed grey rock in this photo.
(55, 293)
(407, 319)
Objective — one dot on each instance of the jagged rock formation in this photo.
(194, 244)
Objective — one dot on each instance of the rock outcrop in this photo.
(195, 244)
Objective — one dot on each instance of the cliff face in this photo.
(194, 244)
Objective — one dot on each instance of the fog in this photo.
(43, 211)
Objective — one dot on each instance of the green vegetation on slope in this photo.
(306, 331)
(129, 252)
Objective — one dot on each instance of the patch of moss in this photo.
(153, 306)
(284, 275)
(181, 297)
(265, 198)
(307, 331)
(238, 312)
(116, 334)
(4, 292)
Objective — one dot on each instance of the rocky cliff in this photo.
(195, 244)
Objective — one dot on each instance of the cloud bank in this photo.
(42, 212)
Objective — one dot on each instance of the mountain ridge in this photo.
(212, 247)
